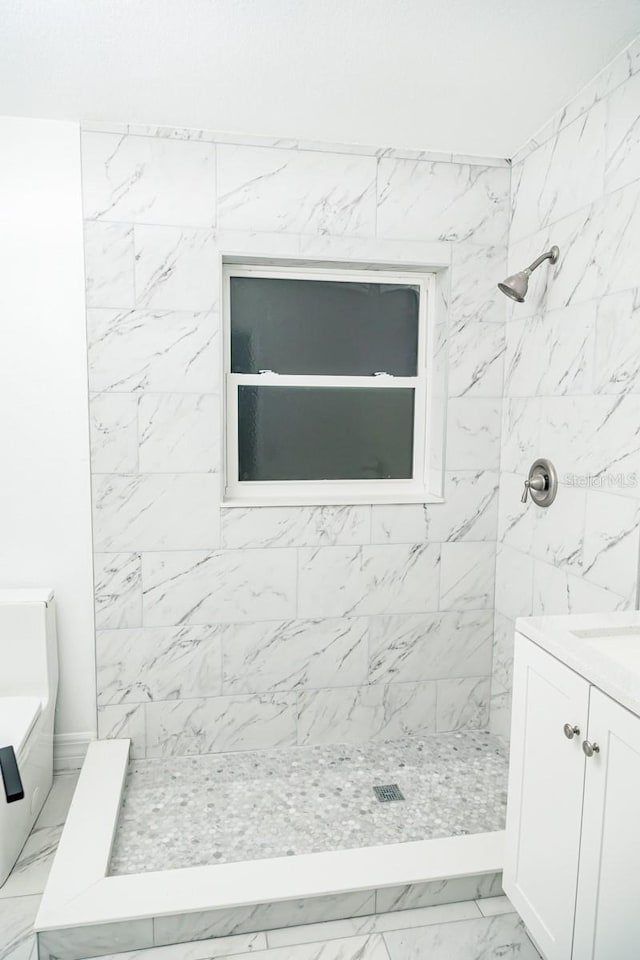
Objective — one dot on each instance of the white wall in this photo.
(45, 526)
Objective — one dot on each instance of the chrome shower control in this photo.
(571, 731)
(589, 748)
(542, 483)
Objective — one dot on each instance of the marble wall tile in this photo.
(467, 576)
(556, 591)
(622, 142)
(515, 519)
(443, 201)
(617, 354)
(514, 582)
(611, 543)
(520, 434)
(176, 268)
(179, 433)
(118, 590)
(553, 354)
(376, 712)
(218, 724)
(468, 513)
(148, 180)
(95, 940)
(349, 581)
(124, 721)
(267, 916)
(462, 704)
(113, 422)
(154, 512)
(473, 434)
(405, 647)
(619, 239)
(416, 895)
(475, 274)
(109, 264)
(159, 663)
(294, 654)
(140, 350)
(232, 586)
(503, 936)
(295, 526)
(295, 191)
(558, 535)
(476, 359)
(502, 675)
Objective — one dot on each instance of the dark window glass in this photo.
(323, 327)
(325, 433)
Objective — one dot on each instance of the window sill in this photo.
(327, 501)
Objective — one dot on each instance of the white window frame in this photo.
(320, 492)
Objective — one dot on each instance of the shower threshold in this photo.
(166, 851)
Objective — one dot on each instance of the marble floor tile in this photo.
(17, 939)
(494, 906)
(198, 950)
(491, 938)
(31, 871)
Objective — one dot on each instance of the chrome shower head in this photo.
(517, 284)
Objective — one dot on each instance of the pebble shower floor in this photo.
(191, 811)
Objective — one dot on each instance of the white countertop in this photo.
(602, 647)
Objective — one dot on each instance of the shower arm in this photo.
(549, 255)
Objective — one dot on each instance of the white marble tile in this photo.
(467, 576)
(611, 542)
(476, 359)
(109, 264)
(199, 950)
(378, 923)
(294, 654)
(556, 591)
(139, 350)
(266, 916)
(619, 239)
(406, 647)
(368, 251)
(118, 590)
(75, 943)
(494, 906)
(223, 587)
(295, 526)
(468, 513)
(114, 432)
(462, 704)
(501, 675)
(167, 663)
(179, 433)
(622, 164)
(560, 177)
(218, 724)
(155, 512)
(515, 519)
(148, 180)
(442, 201)
(553, 354)
(558, 534)
(520, 435)
(31, 871)
(296, 192)
(514, 582)
(176, 268)
(56, 806)
(489, 937)
(617, 359)
(475, 274)
(473, 434)
(17, 939)
(342, 581)
(376, 712)
(117, 721)
(458, 889)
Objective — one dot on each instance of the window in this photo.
(326, 385)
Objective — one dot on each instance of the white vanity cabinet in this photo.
(572, 860)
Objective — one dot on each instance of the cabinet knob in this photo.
(571, 731)
(589, 748)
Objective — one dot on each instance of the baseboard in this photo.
(69, 750)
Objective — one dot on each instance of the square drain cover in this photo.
(390, 791)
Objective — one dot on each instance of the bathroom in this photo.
(291, 481)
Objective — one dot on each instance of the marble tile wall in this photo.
(222, 629)
(572, 368)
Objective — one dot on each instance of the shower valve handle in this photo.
(536, 483)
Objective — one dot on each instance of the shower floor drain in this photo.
(390, 791)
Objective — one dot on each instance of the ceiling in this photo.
(469, 76)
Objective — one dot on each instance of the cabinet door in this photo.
(608, 907)
(546, 779)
